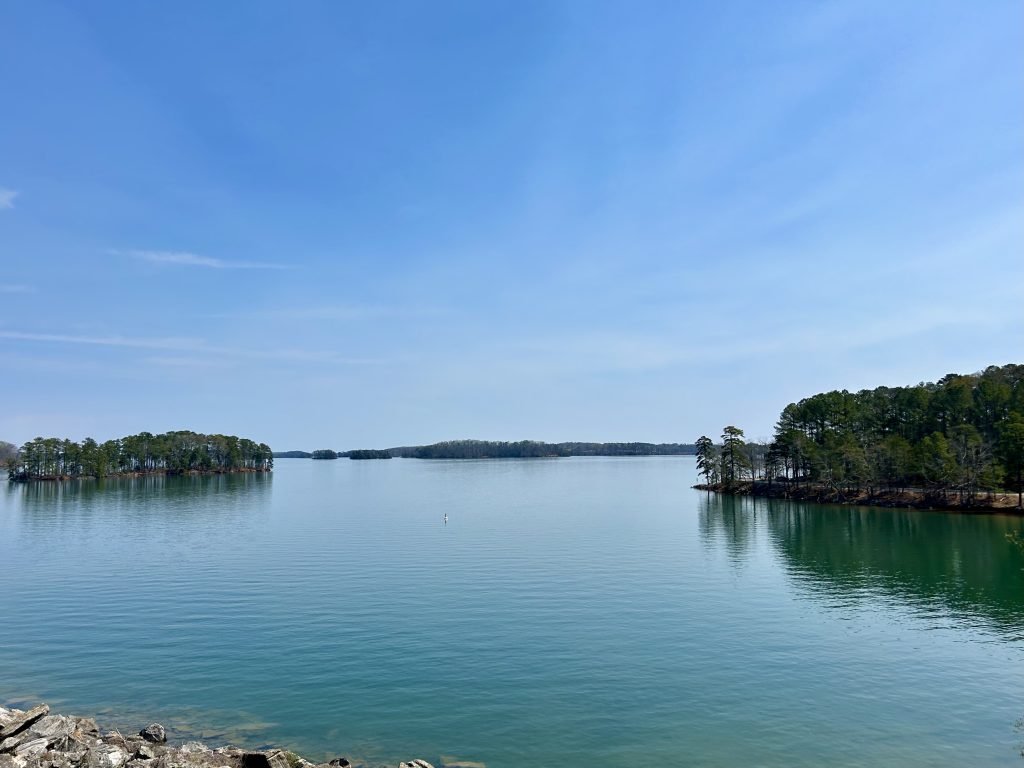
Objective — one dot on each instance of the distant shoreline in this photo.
(495, 449)
(913, 498)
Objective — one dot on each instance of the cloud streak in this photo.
(11, 288)
(186, 259)
(193, 347)
(7, 198)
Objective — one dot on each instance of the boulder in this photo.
(154, 733)
(87, 727)
(415, 764)
(341, 762)
(31, 748)
(104, 756)
(22, 720)
(144, 752)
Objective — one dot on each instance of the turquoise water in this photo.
(572, 612)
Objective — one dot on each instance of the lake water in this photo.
(573, 612)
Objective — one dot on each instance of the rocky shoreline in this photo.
(35, 738)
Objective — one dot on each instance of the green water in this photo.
(572, 612)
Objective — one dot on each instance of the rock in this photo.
(415, 764)
(87, 727)
(22, 720)
(58, 731)
(193, 748)
(104, 756)
(144, 752)
(343, 762)
(154, 733)
(12, 761)
(275, 759)
(31, 748)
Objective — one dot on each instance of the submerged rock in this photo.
(415, 764)
(154, 733)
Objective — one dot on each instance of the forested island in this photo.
(179, 452)
(955, 443)
(522, 449)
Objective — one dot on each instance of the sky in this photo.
(326, 224)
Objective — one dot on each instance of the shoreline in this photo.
(995, 503)
(35, 738)
(138, 473)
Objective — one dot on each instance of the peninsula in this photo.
(957, 443)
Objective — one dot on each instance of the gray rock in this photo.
(342, 762)
(58, 731)
(31, 748)
(144, 752)
(415, 764)
(154, 733)
(87, 727)
(193, 748)
(104, 756)
(22, 720)
(12, 761)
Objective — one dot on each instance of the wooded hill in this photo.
(173, 452)
(962, 435)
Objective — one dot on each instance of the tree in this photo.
(1011, 450)
(707, 459)
(734, 456)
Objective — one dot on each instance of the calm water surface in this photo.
(572, 612)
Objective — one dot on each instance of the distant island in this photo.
(172, 453)
(323, 453)
(523, 449)
(956, 444)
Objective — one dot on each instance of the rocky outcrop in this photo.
(37, 739)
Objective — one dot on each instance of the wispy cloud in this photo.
(192, 348)
(105, 341)
(15, 288)
(186, 259)
(7, 197)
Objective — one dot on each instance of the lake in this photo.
(572, 612)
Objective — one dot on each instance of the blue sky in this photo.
(364, 225)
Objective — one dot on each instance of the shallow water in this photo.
(572, 611)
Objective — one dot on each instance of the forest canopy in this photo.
(963, 434)
(172, 452)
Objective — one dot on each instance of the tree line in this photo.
(172, 452)
(494, 449)
(962, 436)
(524, 449)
